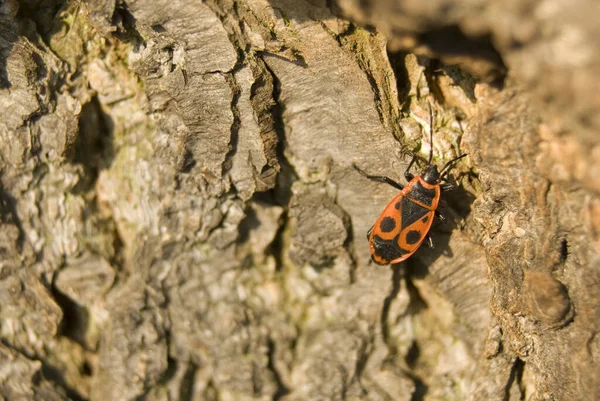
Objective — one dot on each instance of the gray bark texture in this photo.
(180, 218)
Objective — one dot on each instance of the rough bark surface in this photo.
(180, 218)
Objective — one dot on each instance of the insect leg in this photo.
(407, 174)
(440, 216)
(447, 186)
(430, 242)
(379, 178)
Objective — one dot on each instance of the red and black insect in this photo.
(406, 220)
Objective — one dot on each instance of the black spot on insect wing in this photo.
(412, 237)
(387, 224)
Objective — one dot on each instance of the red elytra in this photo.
(404, 223)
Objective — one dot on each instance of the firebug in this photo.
(406, 220)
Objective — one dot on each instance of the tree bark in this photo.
(181, 219)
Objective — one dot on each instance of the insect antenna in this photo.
(442, 173)
(430, 134)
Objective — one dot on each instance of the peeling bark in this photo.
(181, 218)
